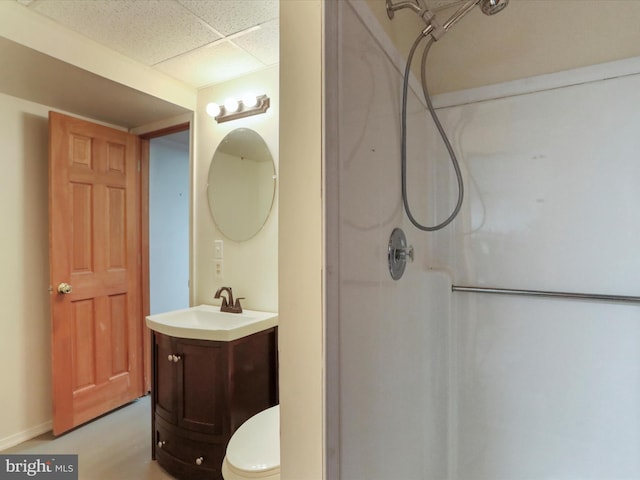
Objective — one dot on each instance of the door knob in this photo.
(64, 288)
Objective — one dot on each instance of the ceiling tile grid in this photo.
(199, 42)
(211, 64)
(148, 31)
(232, 16)
(262, 43)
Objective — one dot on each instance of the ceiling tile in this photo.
(229, 17)
(263, 43)
(211, 64)
(148, 31)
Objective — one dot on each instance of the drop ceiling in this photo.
(198, 42)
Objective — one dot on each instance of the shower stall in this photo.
(428, 379)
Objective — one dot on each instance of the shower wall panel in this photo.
(507, 388)
(551, 192)
(548, 388)
(393, 370)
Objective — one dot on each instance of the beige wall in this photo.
(250, 267)
(301, 258)
(24, 256)
(25, 354)
(25, 408)
(529, 37)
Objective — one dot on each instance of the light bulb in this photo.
(213, 109)
(231, 105)
(249, 100)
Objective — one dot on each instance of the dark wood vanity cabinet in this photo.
(202, 392)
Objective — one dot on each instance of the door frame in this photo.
(144, 237)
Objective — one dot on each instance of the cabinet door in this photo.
(202, 404)
(253, 376)
(164, 383)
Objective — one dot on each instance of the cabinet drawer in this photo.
(195, 455)
(183, 471)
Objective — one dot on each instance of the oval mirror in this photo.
(241, 184)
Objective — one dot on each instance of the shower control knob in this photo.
(398, 252)
(199, 461)
(404, 253)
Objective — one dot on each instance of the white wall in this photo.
(388, 341)
(168, 224)
(548, 388)
(250, 267)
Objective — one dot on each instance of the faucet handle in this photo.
(237, 305)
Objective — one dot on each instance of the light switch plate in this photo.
(218, 252)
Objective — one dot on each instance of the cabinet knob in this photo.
(174, 358)
(161, 444)
(199, 461)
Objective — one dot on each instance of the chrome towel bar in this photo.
(542, 293)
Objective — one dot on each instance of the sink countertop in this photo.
(207, 322)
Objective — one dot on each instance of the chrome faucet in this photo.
(227, 303)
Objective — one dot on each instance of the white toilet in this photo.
(254, 449)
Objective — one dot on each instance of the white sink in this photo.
(207, 322)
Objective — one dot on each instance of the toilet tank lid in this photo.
(255, 446)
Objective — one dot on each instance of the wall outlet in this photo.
(217, 249)
(218, 268)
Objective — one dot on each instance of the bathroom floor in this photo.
(116, 446)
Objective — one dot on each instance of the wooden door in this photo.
(94, 241)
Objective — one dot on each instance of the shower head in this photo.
(488, 7)
(491, 7)
(434, 28)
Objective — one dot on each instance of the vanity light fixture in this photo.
(231, 105)
(234, 109)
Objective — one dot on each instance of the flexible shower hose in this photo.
(436, 120)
